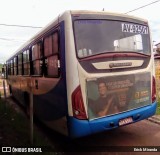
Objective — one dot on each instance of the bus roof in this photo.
(106, 13)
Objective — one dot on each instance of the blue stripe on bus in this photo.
(79, 128)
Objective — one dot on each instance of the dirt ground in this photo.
(15, 126)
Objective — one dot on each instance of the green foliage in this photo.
(158, 108)
(1, 68)
(1, 65)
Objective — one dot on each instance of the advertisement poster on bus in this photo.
(116, 94)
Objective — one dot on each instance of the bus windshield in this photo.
(94, 37)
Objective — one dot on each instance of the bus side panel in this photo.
(15, 84)
(50, 96)
(55, 101)
(52, 105)
(79, 128)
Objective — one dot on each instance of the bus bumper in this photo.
(79, 128)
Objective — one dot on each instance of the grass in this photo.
(1, 65)
(158, 108)
(15, 131)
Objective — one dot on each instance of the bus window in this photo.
(48, 46)
(20, 64)
(94, 37)
(36, 67)
(36, 52)
(8, 67)
(26, 63)
(36, 59)
(15, 65)
(51, 45)
(55, 42)
(133, 43)
(53, 65)
(12, 68)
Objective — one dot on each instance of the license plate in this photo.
(125, 121)
(134, 28)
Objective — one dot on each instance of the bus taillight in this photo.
(153, 89)
(78, 105)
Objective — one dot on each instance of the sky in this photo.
(39, 13)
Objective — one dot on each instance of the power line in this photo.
(21, 26)
(15, 40)
(142, 6)
(41, 27)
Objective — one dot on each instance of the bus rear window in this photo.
(101, 36)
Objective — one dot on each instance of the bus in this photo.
(88, 71)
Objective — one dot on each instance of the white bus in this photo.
(90, 72)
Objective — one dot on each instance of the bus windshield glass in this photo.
(94, 37)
